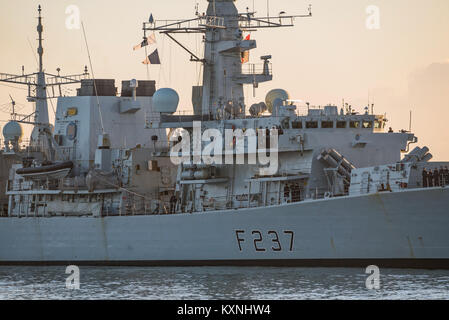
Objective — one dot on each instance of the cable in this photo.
(161, 69)
(7, 85)
(51, 103)
(93, 76)
(146, 57)
(170, 64)
(34, 52)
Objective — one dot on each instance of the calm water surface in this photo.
(221, 283)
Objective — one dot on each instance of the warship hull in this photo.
(400, 229)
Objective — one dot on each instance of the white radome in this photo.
(12, 131)
(165, 100)
(275, 94)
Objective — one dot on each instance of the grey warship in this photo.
(101, 186)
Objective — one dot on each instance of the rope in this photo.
(34, 52)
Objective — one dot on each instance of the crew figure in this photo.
(436, 178)
(173, 201)
(430, 177)
(441, 173)
(425, 178)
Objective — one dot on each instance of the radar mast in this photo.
(38, 84)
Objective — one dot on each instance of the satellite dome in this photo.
(273, 95)
(165, 100)
(12, 131)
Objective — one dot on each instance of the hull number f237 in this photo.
(278, 241)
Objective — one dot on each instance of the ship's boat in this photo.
(49, 171)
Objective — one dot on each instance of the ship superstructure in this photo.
(312, 145)
(267, 184)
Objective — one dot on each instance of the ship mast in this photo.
(41, 115)
(222, 94)
(40, 50)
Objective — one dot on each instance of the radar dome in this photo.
(12, 131)
(165, 100)
(273, 95)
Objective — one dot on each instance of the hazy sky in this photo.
(402, 66)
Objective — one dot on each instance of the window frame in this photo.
(340, 122)
(313, 127)
(370, 124)
(358, 126)
(328, 122)
(295, 123)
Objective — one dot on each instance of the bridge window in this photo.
(354, 124)
(341, 124)
(297, 124)
(312, 124)
(378, 124)
(327, 124)
(367, 124)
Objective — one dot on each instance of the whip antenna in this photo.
(93, 76)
